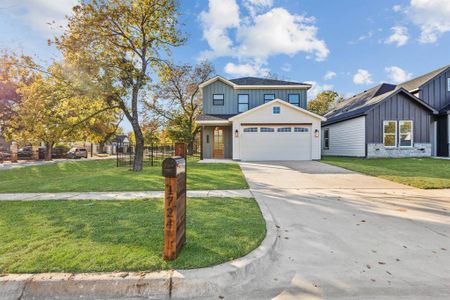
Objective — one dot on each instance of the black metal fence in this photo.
(153, 155)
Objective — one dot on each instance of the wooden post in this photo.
(202, 132)
(14, 152)
(173, 170)
(34, 152)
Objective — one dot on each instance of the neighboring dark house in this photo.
(406, 120)
(258, 119)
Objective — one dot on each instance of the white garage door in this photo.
(275, 143)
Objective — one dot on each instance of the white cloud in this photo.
(222, 16)
(397, 75)
(242, 70)
(39, 13)
(432, 16)
(397, 8)
(329, 75)
(266, 32)
(317, 88)
(399, 36)
(362, 77)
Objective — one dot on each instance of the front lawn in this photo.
(95, 236)
(104, 176)
(424, 173)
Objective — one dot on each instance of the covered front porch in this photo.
(216, 137)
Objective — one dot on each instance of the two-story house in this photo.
(253, 119)
(406, 120)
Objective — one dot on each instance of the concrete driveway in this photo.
(347, 235)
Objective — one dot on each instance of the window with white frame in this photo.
(406, 133)
(390, 133)
(218, 99)
(294, 99)
(448, 84)
(266, 129)
(251, 129)
(301, 129)
(326, 138)
(276, 110)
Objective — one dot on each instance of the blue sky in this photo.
(345, 45)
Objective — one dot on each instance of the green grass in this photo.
(424, 173)
(104, 176)
(96, 236)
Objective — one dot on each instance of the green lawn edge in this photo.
(104, 176)
(423, 173)
(87, 236)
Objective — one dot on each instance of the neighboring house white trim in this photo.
(212, 122)
(347, 138)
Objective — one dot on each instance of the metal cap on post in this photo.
(174, 171)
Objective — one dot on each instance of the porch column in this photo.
(201, 142)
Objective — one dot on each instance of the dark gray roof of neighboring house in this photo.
(214, 117)
(263, 81)
(360, 104)
(417, 82)
(445, 109)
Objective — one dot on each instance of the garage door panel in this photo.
(276, 145)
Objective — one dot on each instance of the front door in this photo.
(218, 142)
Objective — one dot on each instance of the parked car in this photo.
(60, 151)
(26, 152)
(77, 153)
(4, 156)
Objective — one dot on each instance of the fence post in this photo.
(152, 152)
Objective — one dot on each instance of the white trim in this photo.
(212, 122)
(282, 103)
(253, 87)
(400, 134)
(395, 133)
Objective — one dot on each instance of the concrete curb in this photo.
(212, 281)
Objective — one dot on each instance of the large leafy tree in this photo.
(118, 44)
(177, 99)
(324, 102)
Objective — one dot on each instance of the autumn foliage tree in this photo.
(118, 45)
(324, 102)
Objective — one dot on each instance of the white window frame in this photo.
(250, 129)
(395, 133)
(448, 84)
(267, 129)
(326, 139)
(276, 113)
(400, 133)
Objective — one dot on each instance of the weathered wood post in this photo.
(174, 171)
(14, 152)
(34, 152)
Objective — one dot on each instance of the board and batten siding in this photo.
(435, 92)
(346, 138)
(256, 97)
(398, 107)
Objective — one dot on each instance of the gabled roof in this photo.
(282, 103)
(362, 103)
(256, 83)
(214, 117)
(414, 84)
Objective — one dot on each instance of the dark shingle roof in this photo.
(417, 82)
(214, 117)
(263, 81)
(359, 104)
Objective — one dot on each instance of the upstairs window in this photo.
(390, 133)
(294, 99)
(276, 110)
(218, 99)
(326, 138)
(269, 97)
(448, 84)
(242, 102)
(406, 133)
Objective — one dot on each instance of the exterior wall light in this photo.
(316, 132)
(236, 133)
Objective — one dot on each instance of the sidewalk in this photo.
(118, 195)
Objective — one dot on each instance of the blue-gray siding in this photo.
(256, 97)
(398, 107)
(435, 92)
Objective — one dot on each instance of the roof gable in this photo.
(263, 81)
(281, 102)
(416, 83)
(256, 83)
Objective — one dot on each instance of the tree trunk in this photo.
(48, 151)
(190, 147)
(139, 149)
